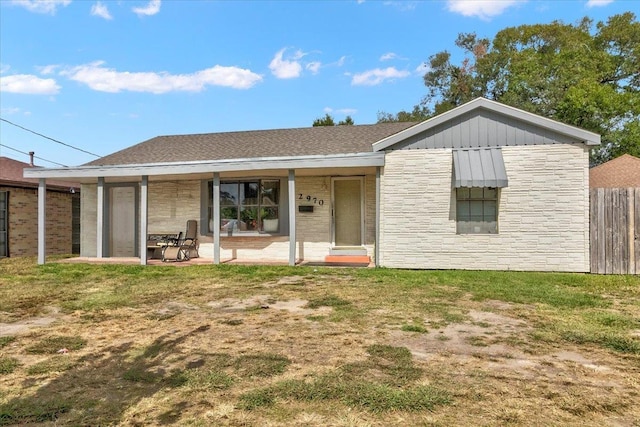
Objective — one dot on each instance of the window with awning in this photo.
(478, 176)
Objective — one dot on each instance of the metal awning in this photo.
(479, 167)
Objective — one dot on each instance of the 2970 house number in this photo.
(308, 198)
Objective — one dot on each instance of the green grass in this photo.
(51, 345)
(58, 363)
(8, 365)
(346, 365)
(413, 328)
(5, 341)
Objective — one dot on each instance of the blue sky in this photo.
(104, 75)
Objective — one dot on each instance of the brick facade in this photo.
(23, 222)
(543, 214)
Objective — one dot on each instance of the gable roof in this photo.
(312, 141)
(11, 174)
(478, 104)
(621, 172)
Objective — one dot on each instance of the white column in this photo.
(292, 217)
(376, 252)
(144, 218)
(216, 218)
(42, 220)
(100, 215)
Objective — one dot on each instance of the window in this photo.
(4, 223)
(251, 206)
(477, 210)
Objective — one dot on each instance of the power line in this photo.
(36, 157)
(51, 139)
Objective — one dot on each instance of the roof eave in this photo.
(581, 135)
(210, 166)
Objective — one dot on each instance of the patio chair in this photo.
(171, 250)
(183, 249)
(190, 243)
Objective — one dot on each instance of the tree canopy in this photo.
(583, 75)
(327, 120)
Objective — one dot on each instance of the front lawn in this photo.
(248, 345)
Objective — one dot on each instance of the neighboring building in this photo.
(621, 172)
(19, 213)
(483, 186)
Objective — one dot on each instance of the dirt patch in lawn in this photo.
(23, 326)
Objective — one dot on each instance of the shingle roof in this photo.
(11, 174)
(623, 171)
(322, 140)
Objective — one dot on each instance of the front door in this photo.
(348, 212)
(122, 221)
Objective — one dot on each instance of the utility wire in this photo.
(51, 139)
(36, 157)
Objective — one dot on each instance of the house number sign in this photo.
(308, 198)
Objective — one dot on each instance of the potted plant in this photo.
(269, 218)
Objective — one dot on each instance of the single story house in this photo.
(621, 172)
(19, 213)
(482, 186)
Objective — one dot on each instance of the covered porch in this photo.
(306, 209)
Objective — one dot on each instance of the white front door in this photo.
(122, 224)
(348, 211)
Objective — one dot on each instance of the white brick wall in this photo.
(543, 214)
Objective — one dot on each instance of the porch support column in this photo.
(42, 220)
(292, 217)
(100, 222)
(216, 218)
(144, 218)
(376, 253)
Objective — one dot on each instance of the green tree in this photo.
(584, 75)
(347, 121)
(327, 120)
(418, 114)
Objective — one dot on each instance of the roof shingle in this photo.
(322, 140)
(621, 172)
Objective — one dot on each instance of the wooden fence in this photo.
(615, 230)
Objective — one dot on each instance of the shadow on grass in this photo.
(101, 388)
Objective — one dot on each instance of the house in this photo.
(19, 213)
(621, 172)
(482, 186)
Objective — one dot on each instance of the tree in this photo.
(575, 74)
(327, 120)
(418, 114)
(347, 121)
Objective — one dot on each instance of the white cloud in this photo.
(403, 6)
(48, 69)
(598, 3)
(377, 76)
(4, 68)
(344, 111)
(387, 56)
(150, 9)
(286, 68)
(28, 84)
(41, 6)
(101, 10)
(422, 68)
(483, 9)
(313, 66)
(104, 79)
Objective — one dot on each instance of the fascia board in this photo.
(230, 165)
